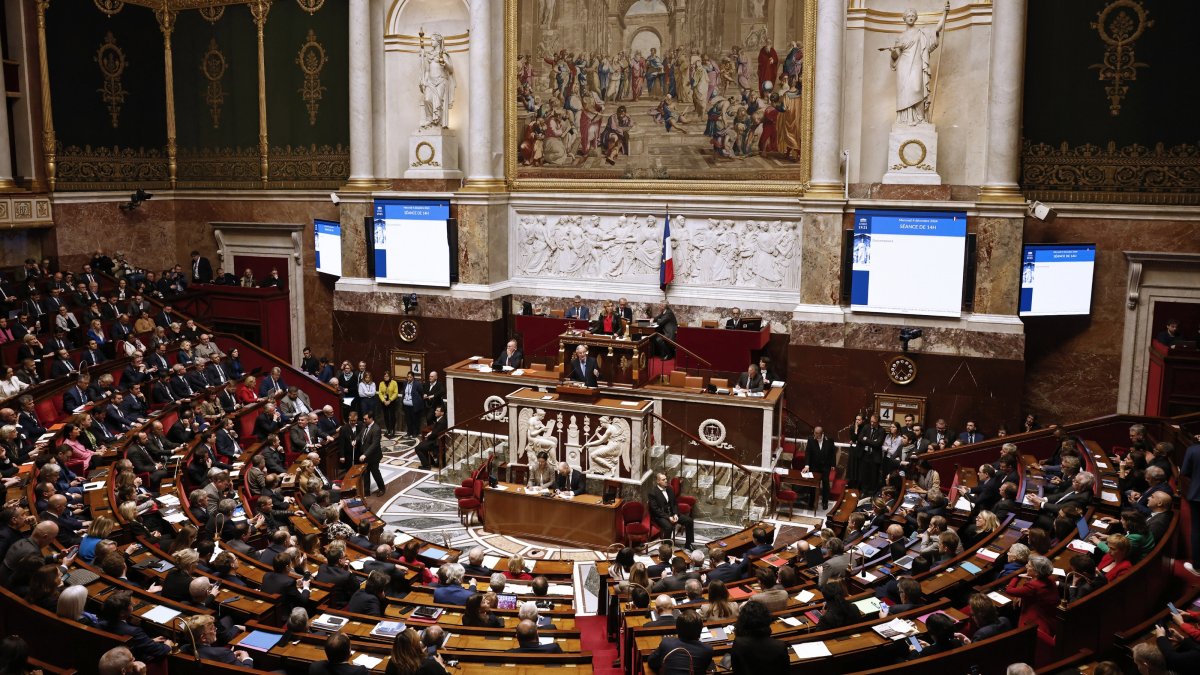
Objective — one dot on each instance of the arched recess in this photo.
(432, 15)
(633, 45)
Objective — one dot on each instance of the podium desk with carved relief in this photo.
(583, 520)
(622, 362)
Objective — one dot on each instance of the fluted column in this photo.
(379, 102)
(483, 102)
(361, 156)
(826, 181)
(1005, 90)
(6, 167)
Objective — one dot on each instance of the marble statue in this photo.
(437, 84)
(608, 447)
(910, 60)
(546, 12)
(539, 435)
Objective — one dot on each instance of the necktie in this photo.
(220, 375)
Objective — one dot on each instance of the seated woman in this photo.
(81, 456)
(410, 554)
(71, 605)
(985, 524)
(1133, 526)
(96, 332)
(44, 587)
(1082, 579)
(719, 605)
(837, 610)
(1115, 562)
(176, 584)
(985, 619)
(607, 323)
(516, 569)
(247, 392)
(236, 370)
(185, 357)
(10, 384)
(101, 527)
(478, 611)
(941, 637)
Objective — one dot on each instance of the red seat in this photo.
(635, 523)
(836, 484)
(686, 503)
(472, 504)
(782, 496)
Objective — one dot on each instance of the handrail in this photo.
(694, 355)
(690, 435)
(788, 411)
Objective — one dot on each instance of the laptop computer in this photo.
(506, 601)
(905, 562)
(1082, 526)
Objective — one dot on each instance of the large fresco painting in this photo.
(679, 94)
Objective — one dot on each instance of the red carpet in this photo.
(592, 639)
(658, 367)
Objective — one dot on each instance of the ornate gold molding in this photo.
(219, 168)
(166, 24)
(1133, 174)
(311, 6)
(310, 166)
(111, 60)
(1119, 25)
(258, 12)
(212, 13)
(49, 143)
(213, 66)
(110, 7)
(312, 60)
(88, 168)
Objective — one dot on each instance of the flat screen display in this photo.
(1056, 279)
(412, 242)
(908, 262)
(328, 246)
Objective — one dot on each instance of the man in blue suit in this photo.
(578, 310)
(272, 384)
(76, 396)
(583, 368)
(453, 592)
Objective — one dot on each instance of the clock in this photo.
(901, 369)
(409, 330)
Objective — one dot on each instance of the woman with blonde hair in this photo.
(247, 392)
(101, 527)
(516, 569)
(639, 576)
(185, 357)
(985, 523)
(719, 605)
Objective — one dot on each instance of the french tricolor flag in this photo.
(666, 269)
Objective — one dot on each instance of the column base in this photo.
(825, 191)
(912, 155)
(484, 185)
(8, 185)
(362, 185)
(1001, 194)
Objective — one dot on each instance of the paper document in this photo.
(632, 404)
(963, 504)
(98, 485)
(560, 589)
(176, 517)
(805, 596)
(161, 615)
(867, 605)
(1101, 465)
(518, 372)
(806, 474)
(490, 561)
(1110, 496)
(811, 650)
(367, 661)
(999, 598)
(792, 621)
(545, 640)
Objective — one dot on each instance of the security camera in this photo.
(136, 199)
(410, 303)
(907, 334)
(334, 198)
(1041, 211)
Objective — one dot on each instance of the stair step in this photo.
(721, 492)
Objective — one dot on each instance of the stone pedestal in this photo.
(433, 153)
(912, 155)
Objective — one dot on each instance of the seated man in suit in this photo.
(62, 365)
(76, 396)
(452, 592)
(292, 593)
(679, 577)
(337, 657)
(427, 450)
(722, 568)
(370, 599)
(528, 641)
(664, 511)
(749, 382)
(735, 315)
(971, 435)
(669, 657)
(664, 612)
(578, 310)
(268, 422)
(583, 368)
(1079, 494)
(511, 357)
(475, 562)
(569, 480)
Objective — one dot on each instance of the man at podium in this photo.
(511, 357)
(583, 368)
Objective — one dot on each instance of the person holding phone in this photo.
(1188, 622)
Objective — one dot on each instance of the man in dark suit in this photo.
(369, 599)
(337, 657)
(722, 569)
(624, 311)
(291, 593)
(336, 572)
(667, 326)
(349, 437)
(971, 435)
(1008, 500)
(435, 393)
(511, 357)
(669, 659)
(678, 579)
(268, 422)
(866, 457)
(202, 271)
(735, 315)
(940, 436)
(527, 640)
(62, 365)
(583, 368)
(664, 607)
(750, 381)
(569, 480)
(1079, 494)
(309, 363)
(664, 511)
(427, 450)
(77, 395)
(986, 492)
(371, 452)
(578, 310)
(820, 455)
(452, 592)
(180, 387)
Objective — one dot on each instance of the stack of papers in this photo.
(1110, 496)
(792, 621)
(560, 589)
(868, 605)
(161, 615)
(328, 623)
(988, 554)
(260, 641)
(545, 640)
(999, 598)
(366, 660)
(388, 629)
(1081, 546)
(805, 596)
(811, 650)
(490, 561)
(963, 504)
(896, 629)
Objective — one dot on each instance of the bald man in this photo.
(527, 640)
(38, 542)
(70, 528)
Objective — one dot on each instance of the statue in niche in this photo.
(539, 436)
(910, 60)
(437, 84)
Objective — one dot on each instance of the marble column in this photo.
(485, 99)
(826, 181)
(6, 167)
(361, 159)
(378, 20)
(1006, 73)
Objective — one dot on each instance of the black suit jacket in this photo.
(667, 324)
(677, 663)
(504, 359)
(573, 483)
(660, 508)
(759, 655)
(371, 445)
(585, 373)
(870, 439)
(285, 585)
(820, 455)
(756, 384)
(363, 602)
(202, 271)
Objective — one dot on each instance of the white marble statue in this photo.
(437, 84)
(546, 12)
(608, 448)
(539, 435)
(910, 60)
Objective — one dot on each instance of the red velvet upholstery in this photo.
(635, 523)
(686, 503)
(472, 504)
(783, 496)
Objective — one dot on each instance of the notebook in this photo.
(260, 641)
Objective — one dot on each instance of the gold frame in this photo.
(748, 185)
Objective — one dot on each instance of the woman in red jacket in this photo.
(516, 569)
(1116, 562)
(1038, 594)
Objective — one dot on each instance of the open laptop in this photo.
(1082, 526)
(750, 323)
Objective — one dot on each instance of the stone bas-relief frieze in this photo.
(707, 252)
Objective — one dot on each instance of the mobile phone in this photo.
(916, 644)
(1171, 606)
